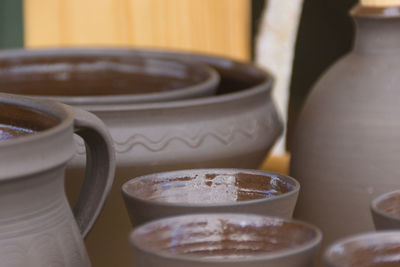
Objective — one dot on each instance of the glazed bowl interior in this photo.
(235, 76)
(18, 120)
(224, 236)
(388, 205)
(72, 74)
(380, 249)
(209, 187)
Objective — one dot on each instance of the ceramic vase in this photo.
(346, 145)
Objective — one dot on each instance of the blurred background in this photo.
(228, 28)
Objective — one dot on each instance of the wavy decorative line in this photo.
(250, 131)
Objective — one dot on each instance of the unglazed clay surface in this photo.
(345, 146)
(45, 236)
(37, 226)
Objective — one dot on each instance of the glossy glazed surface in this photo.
(390, 205)
(16, 121)
(370, 250)
(222, 237)
(209, 188)
(10, 131)
(86, 75)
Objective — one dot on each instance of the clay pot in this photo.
(234, 129)
(234, 240)
(386, 211)
(346, 145)
(380, 249)
(174, 193)
(97, 77)
(37, 226)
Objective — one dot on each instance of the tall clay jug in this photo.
(346, 147)
(37, 226)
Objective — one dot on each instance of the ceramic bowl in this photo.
(87, 77)
(386, 211)
(210, 240)
(236, 128)
(379, 249)
(174, 193)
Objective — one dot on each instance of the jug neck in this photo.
(377, 29)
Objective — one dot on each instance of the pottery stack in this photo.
(346, 147)
(218, 218)
(198, 112)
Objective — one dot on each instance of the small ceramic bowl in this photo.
(88, 77)
(386, 211)
(379, 249)
(208, 240)
(174, 193)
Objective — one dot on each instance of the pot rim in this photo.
(254, 258)
(43, 150)
(290, 193)
(50, 107)
(360, 238)
(381, 213)
(208, 85)
(264, 86)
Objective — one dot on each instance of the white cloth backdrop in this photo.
(275, 50)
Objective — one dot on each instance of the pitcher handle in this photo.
(100, 168)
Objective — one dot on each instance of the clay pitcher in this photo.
(346, 147)
(37, 226)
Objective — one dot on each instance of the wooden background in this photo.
(220, 27)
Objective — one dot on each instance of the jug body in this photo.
(37, 226)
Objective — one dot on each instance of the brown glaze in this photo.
(94, 75)
(222, 237)
(378, 255)
(235, 75)
(386, 256)
(16, 121)
(9, 132)
(390, 205)
(209, 188)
